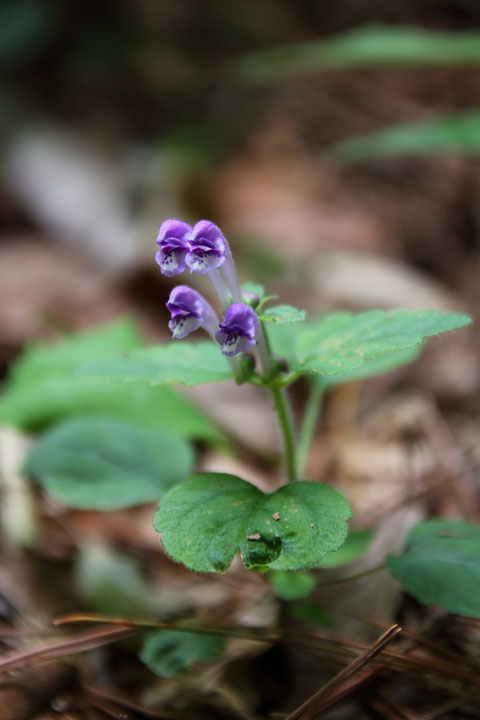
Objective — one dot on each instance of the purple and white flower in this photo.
(237, 332)
(210, 253)
(172, 238)
(190, 311)
(207, 247)
(203, 249)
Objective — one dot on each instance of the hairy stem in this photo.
(230, 274)
(309, 422)
(263, 349)
(219, 286)
(286, 426)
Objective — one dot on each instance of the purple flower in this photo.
(189, 311)
(172, 238)
(237, 333)
(207, 247)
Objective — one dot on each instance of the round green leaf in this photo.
(206, 520)
(169, 653)
(104, 464)
(441, 565)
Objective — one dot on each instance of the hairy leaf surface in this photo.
(375, 366)
(283, 314)
(343, 346)
(206, 520)
(341, 342)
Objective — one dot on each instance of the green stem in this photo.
(309, 422)
(284, 418)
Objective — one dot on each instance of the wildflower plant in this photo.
(115, 449)
(208, 518)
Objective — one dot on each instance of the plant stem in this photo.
(263, 349)
(230, 275)
(220, 288)
(284, 418)
(309, 422)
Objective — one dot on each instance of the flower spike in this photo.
(172, 238)
(190, 311)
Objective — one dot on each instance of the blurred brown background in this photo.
(118, 115)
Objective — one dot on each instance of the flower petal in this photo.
(240, 318)
(202, 261)
(183, 325)
(173, 229)
(171, 261)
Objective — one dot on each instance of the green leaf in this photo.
(264, 301)
(367, 46)
(178, 362)
(453, 133)
(40, 405)
(168, 653)
(374, 366)
(105, 464)
(206, 520)
(283, 314)
(341, 342)
(343, 346)
(441, 565)
(73, 350)
(284, 339)
(355, 545)
(43, 388)
(289, 585)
